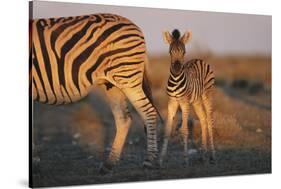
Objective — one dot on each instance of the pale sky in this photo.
(220, 33)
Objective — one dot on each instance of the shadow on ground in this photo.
(71, 141)
(64, 154)
(64, 163)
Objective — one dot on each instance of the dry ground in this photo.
(71, 141)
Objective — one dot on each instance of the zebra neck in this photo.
(177, 84)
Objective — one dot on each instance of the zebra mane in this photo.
(176, 34)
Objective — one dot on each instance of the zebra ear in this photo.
(186, 37)
(167, 37)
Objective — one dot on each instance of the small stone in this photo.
(192, 151)
(76, 135)
(131, 142)
(90, 157)
(137, 140)
(259, 130)
(46, 138)
(74, 143)
(36, 159)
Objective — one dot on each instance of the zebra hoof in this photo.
(212, 160)
(105, 168)
(147, 164)
(186, 164)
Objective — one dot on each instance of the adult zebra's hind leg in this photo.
(210, 121)
(118, 104)
(148, 113)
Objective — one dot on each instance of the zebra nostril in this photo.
(177, 62)
(177, 66)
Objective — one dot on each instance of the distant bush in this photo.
(240, 84)
(255, 88)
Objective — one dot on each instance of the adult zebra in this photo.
(71, 55)
(189, 83)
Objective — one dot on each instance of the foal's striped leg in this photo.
(200, 111)
(172, 110)
(209, 112)
(184, 105)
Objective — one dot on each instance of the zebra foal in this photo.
(71, 55)
(189, 83)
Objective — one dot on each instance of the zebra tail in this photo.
(147, 90)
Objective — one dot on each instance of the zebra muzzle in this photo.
(177, 67)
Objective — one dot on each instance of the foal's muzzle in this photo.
(176, 67)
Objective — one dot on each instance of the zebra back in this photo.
(69, 54)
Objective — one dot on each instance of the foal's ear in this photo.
(186, 37)
(167, 37)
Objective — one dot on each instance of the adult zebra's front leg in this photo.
(118, 104)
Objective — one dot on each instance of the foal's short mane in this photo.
(176, 34)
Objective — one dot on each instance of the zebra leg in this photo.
(172, 110)
(208, 107)
(184, 128)
(118, 104)
(200, 112)
(148, 113)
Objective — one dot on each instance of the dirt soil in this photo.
(71, 141)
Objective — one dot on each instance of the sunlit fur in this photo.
(71, 55)
(177, 51)
(192, 85)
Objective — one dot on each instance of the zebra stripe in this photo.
(64, 47)
(192, 81)
(69, 55)
(189, 83)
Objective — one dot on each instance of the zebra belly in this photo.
(48, 97)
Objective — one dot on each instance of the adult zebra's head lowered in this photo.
(177, 48)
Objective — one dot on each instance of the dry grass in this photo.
(71, 140)
(237, 124)
(229, 68)
(250, 68)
